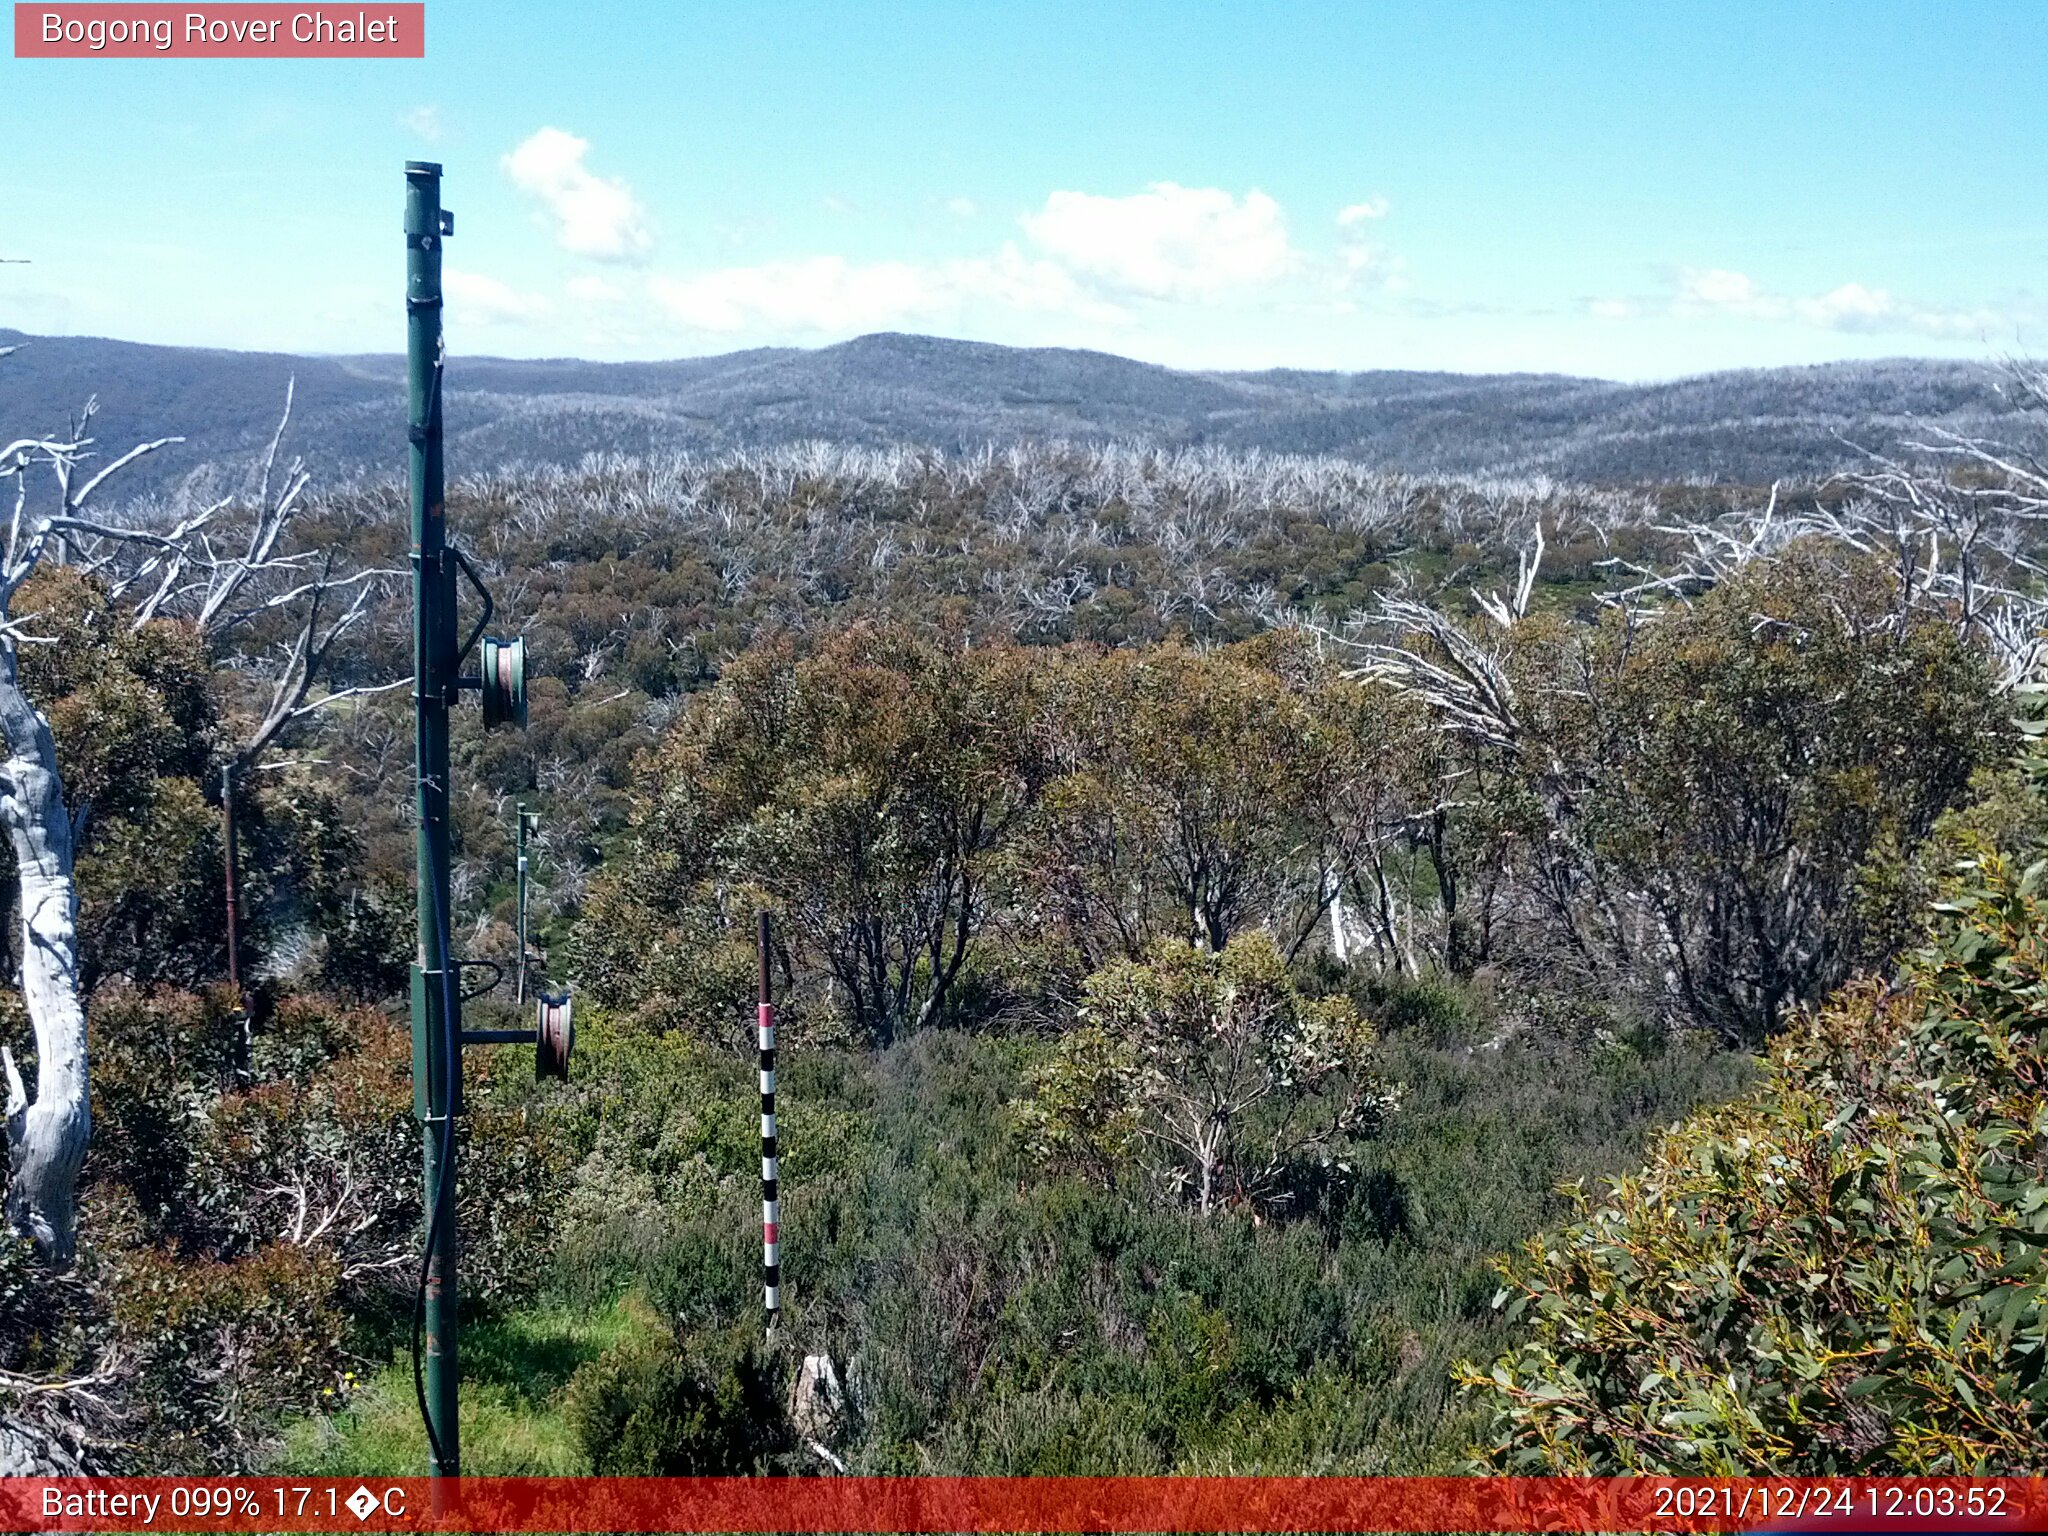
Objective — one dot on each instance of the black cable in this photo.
(497, 975)
(442, 1187)
(452, 1058)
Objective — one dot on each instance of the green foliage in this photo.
(226, 1347)
(1218, 1067)
(988, 1319)
(514, 1368)
(1193, 798)
(861, 791)
(370, 943)
(254, 1205)
(665, 1136)
(1767, 754)
(953, 834)
(1432, 1008)
(1086, 1109)
(964, 834)
(299, 1131)
(47, 1319)
(1842, 1272)
(140, 734)
(645, 1408)
(957, 829)
(129, 707)
(135, 730)
(1740, 777)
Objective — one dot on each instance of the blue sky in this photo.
(1635, 191)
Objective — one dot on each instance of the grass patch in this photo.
(514, 1368)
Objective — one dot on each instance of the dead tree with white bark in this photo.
(231, 567)
(1961, 521)
(1958, 529)
(46, 1133)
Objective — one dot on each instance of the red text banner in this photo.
(115, 31)
(1017, 1504)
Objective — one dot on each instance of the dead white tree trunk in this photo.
(175, 573)
(46, 1136)
(1340, 942)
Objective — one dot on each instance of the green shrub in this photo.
(226, 1348)
(647, 1408)
(1226, 1082)
(1431, 1008)
(370, 943)
(1842, 1272)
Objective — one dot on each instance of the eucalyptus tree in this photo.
(1211, 1071)
(1702, 794)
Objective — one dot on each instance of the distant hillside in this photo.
(1751, 426)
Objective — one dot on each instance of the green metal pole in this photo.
(436, 1006)
(519, 987)
(228, 861)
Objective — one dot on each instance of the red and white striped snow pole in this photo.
(771, 1248)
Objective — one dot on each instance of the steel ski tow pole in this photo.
(436, 997)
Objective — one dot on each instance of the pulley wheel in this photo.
(504, 682)
(554, 1036)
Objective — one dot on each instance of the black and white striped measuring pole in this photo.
(771, 1248)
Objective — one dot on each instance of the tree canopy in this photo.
(1845, 1271)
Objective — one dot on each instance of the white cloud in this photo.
(1084, 258)
(487, 301)
(1360, 262)
(1168, 241)
(422, 122)
(1361, 266)
(1028, 283)
(1853, 307)
(1082, 263)
(830, 295)
(823, 293)
(1849, 307)
(1719, 289)
(594, 215)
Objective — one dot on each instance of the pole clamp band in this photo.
(414, 306)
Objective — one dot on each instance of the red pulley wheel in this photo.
(554, 1036)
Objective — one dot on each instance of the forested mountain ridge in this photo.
(1751, 426)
